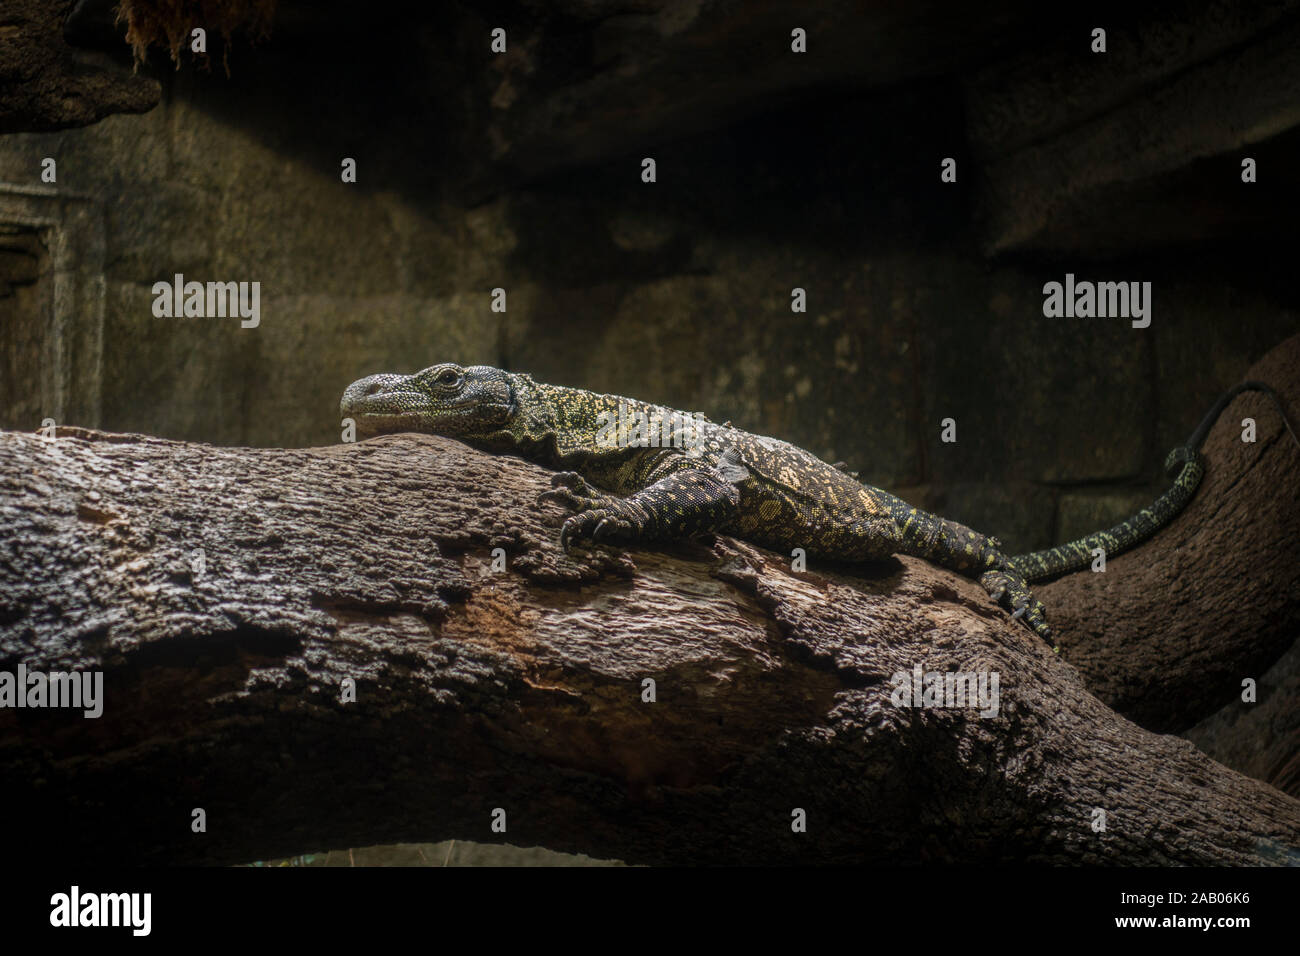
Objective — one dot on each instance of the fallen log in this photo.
(231, 597)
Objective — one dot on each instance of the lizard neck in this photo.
(547, 425)
(566, 427)
(533, 428)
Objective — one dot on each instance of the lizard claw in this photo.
(562, 496)
(571, 528)
(1009, 589)
(582, 525)
(571, 480)
(614, 519)
(570, 490)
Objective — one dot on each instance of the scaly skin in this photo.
(714, 478)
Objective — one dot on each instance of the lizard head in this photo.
(443, 400)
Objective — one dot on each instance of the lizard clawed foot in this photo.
(598, 516)
(1010, 590)
(616, 519)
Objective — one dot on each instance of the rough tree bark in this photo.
(46, 84)
(522, 689)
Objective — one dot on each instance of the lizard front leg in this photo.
(685, 502)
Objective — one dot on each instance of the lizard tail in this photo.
(1184, 462)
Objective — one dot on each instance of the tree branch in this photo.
(522, 689)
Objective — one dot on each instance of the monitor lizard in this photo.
(638, 472)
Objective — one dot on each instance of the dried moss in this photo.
(169, 23)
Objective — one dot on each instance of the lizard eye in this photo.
(448, 376)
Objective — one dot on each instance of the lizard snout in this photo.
(364, 391)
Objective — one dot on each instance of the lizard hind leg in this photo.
(956, 546)
(1009, 589)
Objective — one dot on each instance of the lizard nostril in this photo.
(374, 388)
